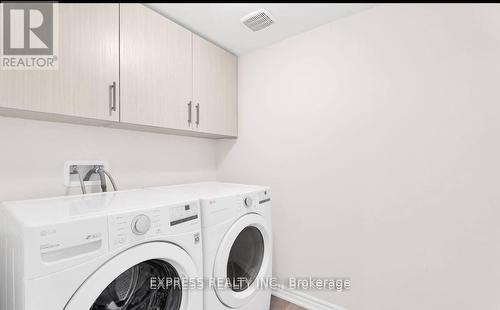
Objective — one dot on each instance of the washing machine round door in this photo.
(243, 260)
(147, 276)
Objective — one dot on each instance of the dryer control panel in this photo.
(264, 196)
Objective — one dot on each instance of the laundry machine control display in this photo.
(182, 214)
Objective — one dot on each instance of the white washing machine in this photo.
(102, 251)
(237, 243)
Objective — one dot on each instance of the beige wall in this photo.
(33, 155)
(380, 137)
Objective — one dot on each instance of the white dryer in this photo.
(237, 243)
(101, 251)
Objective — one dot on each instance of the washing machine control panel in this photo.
(134, 226)
(184, 213)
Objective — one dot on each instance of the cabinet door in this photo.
(156, 69)
(215, 74)
(88, 65)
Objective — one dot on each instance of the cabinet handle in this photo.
(197, 114)
(112, 103)
(190, 112)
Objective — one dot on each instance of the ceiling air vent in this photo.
(258, 20)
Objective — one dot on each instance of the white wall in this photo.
(380, 137)
(33, 155)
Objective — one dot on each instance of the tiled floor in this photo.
(280, 304)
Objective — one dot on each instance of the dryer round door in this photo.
(124, 282)
(242, 260)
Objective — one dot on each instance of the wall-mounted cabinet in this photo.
(85, 85)
(127, 66)
(156, 69)
(215, 75)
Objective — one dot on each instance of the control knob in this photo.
(248, 201)
(141, 224)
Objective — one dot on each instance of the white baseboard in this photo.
(304, 300)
